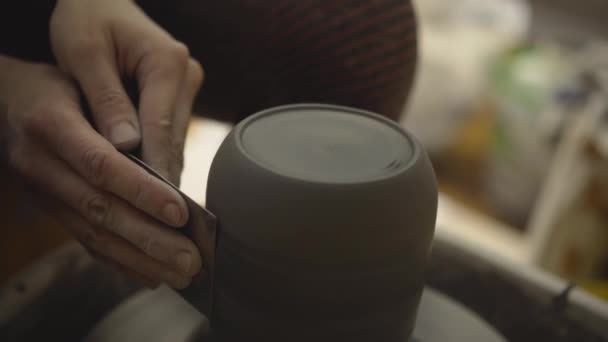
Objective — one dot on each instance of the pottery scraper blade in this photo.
(201, 229)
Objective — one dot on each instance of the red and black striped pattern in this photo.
(262, 53)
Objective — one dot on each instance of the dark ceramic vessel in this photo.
(326, 216)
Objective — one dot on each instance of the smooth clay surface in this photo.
(321, 145)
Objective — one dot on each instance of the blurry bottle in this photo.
(524, 82)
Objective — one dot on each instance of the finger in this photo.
(68, 134)
(112, 110)
(104, 244)
(183, 110)
(107, 246)
(164, 245)
(160, 77)
(106, 211)
(53, 207)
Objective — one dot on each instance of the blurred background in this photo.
(511, 101)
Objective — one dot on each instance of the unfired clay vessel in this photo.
(326, 216)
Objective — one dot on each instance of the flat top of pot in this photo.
(328, 144)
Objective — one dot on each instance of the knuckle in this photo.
(141, 190)
(110, 98)
(39, 120)
(173, 59)
(164, 124)
(145, 243)
(179, 52)
(94, 162)
(97, 209)
(93, 240)
(177, 154)
(85, 47)
(162, 128)
(196, 74)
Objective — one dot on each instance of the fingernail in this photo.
(172, 215)
(183, 261)
(123, 135)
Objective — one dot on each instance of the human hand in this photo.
(118, 211)
(100, 42)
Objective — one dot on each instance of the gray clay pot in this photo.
(326, 216)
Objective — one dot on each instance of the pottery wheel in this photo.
(161, 316)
